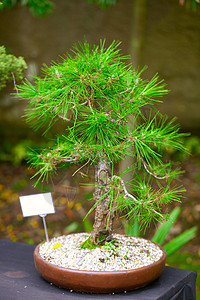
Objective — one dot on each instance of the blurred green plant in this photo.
(75, 226)
(14, 154)
(72, 227)
(87, 225)
(190, 4)
(179, 241)
(132, 228)
(104, 3)
(192, 145)
(39, 8)
(11, 67)
(19, 185)
(42, 8)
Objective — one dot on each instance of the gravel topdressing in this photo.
(124, 253)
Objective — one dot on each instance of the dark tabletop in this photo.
(19, 280)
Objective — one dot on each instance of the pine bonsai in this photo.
(96, 93)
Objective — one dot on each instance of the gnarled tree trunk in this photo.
(104, 213)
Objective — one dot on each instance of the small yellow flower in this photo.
(9, 228)
(19, 217)
(63, 200)
(78, 206)
(70, 204)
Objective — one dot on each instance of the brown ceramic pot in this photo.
(99, 281)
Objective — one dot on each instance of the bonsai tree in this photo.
(95, 93)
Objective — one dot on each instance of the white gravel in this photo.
(125, 253)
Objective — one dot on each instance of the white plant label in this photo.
(38, 204)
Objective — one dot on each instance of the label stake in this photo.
(45, 227)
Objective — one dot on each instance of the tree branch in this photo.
(126, 193)
(68, 159)
(14, 82)
(124, 91)
(149, 172)
(81, 167)
(63, 118)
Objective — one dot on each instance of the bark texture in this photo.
(104, 214)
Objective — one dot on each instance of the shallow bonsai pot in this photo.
(99, 281)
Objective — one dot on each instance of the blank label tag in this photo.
(38, 204)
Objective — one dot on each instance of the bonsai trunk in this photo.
(104, 213)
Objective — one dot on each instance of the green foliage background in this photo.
(11, 67)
